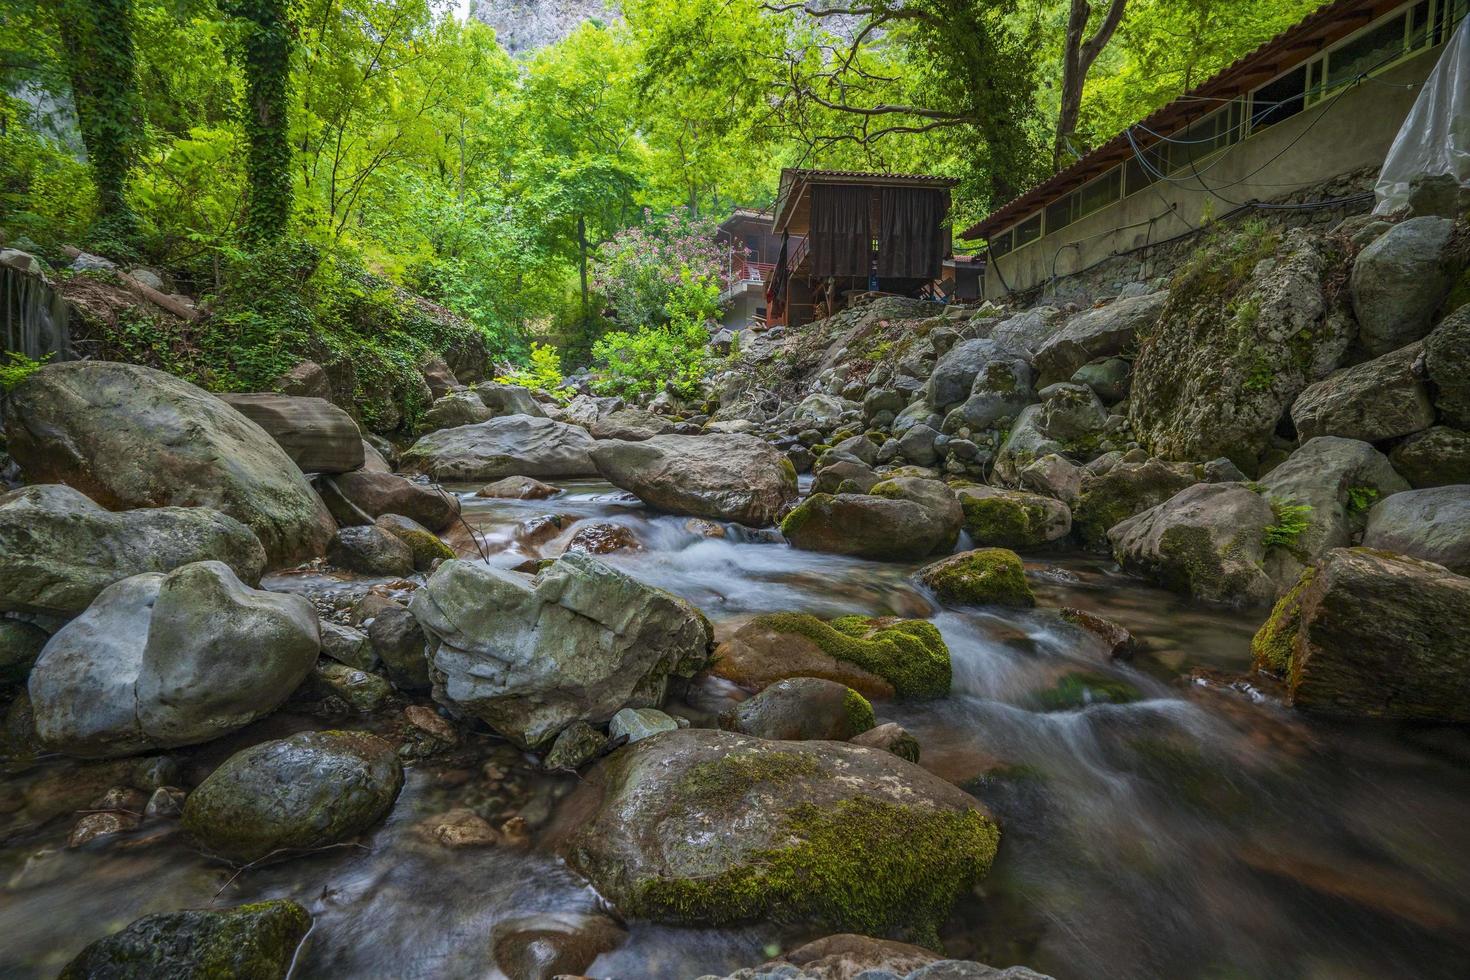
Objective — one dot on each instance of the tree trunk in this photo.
(582, 253)
(97, 36)
(1078, 56)
(265, 47)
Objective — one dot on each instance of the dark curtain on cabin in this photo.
(841, 241)
(912, 238)
(776, 289)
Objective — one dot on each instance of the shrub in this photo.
(1291, 521)
(542, 372)
(17, 367)
(642, 270)
(674, 354)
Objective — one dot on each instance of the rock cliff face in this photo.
(526, 25)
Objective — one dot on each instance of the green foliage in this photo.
(674, 355)
(264, 48)
(543, 372)
(1274, 644)
(910, 654)
(1360, 500)
(17, 367)
(1291, 521)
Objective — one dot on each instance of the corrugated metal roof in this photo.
(793, 179)
(1298, 43)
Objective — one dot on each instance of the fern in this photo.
(17, 367)
(1291, 521)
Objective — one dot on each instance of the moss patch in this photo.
(1004, 522)
(985, 576)
(908, 653)
(1080, 688)
(257, 940)
(862, 866)
(1274, 643)
(728, 779)
(860, 716)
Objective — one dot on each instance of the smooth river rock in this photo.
(256, 941)
(317, 435)
(1432, 524)
(162, 660)
(721, 477)
(513, 445)
(59, 550)
(129, 436)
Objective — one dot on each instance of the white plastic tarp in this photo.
(1434, 140)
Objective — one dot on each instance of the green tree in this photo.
(264, 49)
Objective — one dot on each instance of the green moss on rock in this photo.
(985, 576)
(862, 865)
(860, 716)
(1275, 642)
(1080, 688)
(1004, 522)
(908, 653)
(248, 942)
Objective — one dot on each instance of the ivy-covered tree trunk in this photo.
(265, 51)
(97, 36)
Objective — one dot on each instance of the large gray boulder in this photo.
(454, 409)
(1447, 362)
(317, 435)
(129, 436)
(363, 497)
(505, 400)
(1436, 457)
(1373, 401)
(59, 550)
(721, 477)
(514, 445)
(1013, 518)
(1002, 387)
(1233, 348)
(1399, 281)
(632, 424)
(701, 827)
(1369, 634)
(1108, 496)
(898, 520)
(955, 373)
(1104, 332)
(1207, 541)
(1430, 524)
(293, 795)
(800, 708)
(1339, 479)
(577, 643)
(163, 660)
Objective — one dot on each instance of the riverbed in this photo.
(1162, 818)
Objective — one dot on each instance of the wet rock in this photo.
(704, 528)
(721, 477)
(743, 829)
(429, 721)
(1372, 401)
(636, 724)
(578, 744)
(878, 657)
(424, 545)
(129, 436)
(376, 494)
(258, 941)
(317, 435)
(1080, 688)
(891, 737)
(399, 642)
(576, 643)
(553, 944)
(603, 538)
(118, 811)
(1117, 641)
(1234, 346)
(1373, 635)
(518, 488)
(513, 445)
(370, 550)
(983, 577)
(802, 708)
(1399, 280)
(1430, 524)
(844, 476)
(1447, 362)
(347, 646)
(1012, 518)
(58, 549)
(1101, 333)
(166, 660)
(1207, 541)
(361, 691)
(294, 794)
(460, 827)
(166, 803)
(842, 957)
(509, 400)
(1107, 498)
(1436, 457)
(899, 519)
(20, 645)
(454, 409)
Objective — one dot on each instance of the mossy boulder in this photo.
(701, 827)
(1369, 634)
(899, 519)
(880, 657)
(1111, 495)
(1080, 688)
(247, 942)
(983, 577)
(1012, 518)
(423, 544)
(801, 708)
(294, 794)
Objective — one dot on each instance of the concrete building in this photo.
(1323, 98)
(751, 255)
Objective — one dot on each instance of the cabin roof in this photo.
(793, 201)
(1296, 44)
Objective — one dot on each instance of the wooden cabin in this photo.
(752, 250)
(847, 234)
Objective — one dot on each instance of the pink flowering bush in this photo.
(642, 269)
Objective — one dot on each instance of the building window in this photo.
(1000, 244)
(1279, 100)
(1371, 50)
(1100, 193)
(1028, 231)
(1060, 214)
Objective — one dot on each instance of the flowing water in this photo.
(34, 317)
(1154, 825)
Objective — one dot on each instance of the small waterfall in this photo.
(36, 318)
